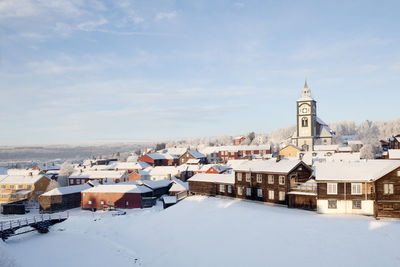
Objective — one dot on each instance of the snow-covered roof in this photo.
(213, 178)
(193, 161)
(155, 184)
(178, 185)
(354, 142)
(163, 170)
(48, 166)
(169, 199)
(157, 156)
(362, 171)
(270, 166)
(118, 188)
(345, 149)
(98, 174)
(128, 165)
(20, 179)
(326, 147)
(196, 154)
(394, 153)
(22, 172)
(67, 190)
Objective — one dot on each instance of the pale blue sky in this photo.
(95, 71)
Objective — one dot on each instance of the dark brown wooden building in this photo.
(63, 198)
(270, 180)
(192, 154)
(212, 184)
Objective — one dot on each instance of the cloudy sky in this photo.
(97, 71)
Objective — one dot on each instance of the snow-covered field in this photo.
(201, 231)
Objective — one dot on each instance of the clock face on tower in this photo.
(304, 110)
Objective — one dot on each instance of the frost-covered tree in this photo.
(52, 185)
(367, 152)
(66, 170)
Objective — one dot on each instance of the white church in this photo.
(310, 130)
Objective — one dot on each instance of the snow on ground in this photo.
(203, 231)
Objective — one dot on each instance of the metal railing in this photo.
(18, 223)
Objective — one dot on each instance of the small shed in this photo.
(62, 198)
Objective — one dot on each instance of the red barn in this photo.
(127, 196)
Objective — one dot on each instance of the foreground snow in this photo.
(201, 231)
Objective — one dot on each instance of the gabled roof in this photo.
(98, 174)
(196, 154)
(269, 166)
(67, 190)
(213, 178)
(362, 171)
(118, 188)
(21, 179)
(178, 185)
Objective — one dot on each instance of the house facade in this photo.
(368, 187)
(191, 154)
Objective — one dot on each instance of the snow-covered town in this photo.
(177, 133)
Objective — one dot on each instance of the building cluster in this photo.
(308, 173)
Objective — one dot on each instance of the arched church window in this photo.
(304, 122)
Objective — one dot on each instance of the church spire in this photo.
(306, 92)
(305, 84)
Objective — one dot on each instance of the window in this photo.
(13, 196)
(240, 190)
(259, 178)
(259, 192)
(110, 202)
(281, 179)
(271, 194)
(20, 186)
(82, 181)
(248, 177)
(388, 189)
(239, 176)
(3, 186)
(248, 191)
(126, 203)
(282, 196)
(11, 186)
(331, 189)
(221, 188)
(71, 181)
(89, 202)
(102, 202)
(29, 187)
(270, 179)
(398, 173)
(78, 181)
(332, 204)
(356, 189)
(304, 122)
(4, 196)
(356, 204)
(229, 189)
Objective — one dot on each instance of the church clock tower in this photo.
(306, 118)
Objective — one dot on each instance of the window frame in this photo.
(388, 189)
(271, 179)
(271, 192)
(280, 181)
(248, 189)
(259, 192)
(355, 206)
(229, 189)
(332, 206)
(328, 186)
(239, 176)
(240, 191)
(248, 177)
(282, 193)
(259, 178)
(222, 188)
(355, 185)
(89, 202)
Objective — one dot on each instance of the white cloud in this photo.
(18, 9)
(92, 25)
(166, 15)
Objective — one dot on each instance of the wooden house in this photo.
(238, 140)
(192, 154)
(125, 196)
(158, 159)
(269, 180)
(243, 152)
(367, 187)
(212, 184)
(62, 198)
(22, 187)
(290, 151)
(82, 177)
